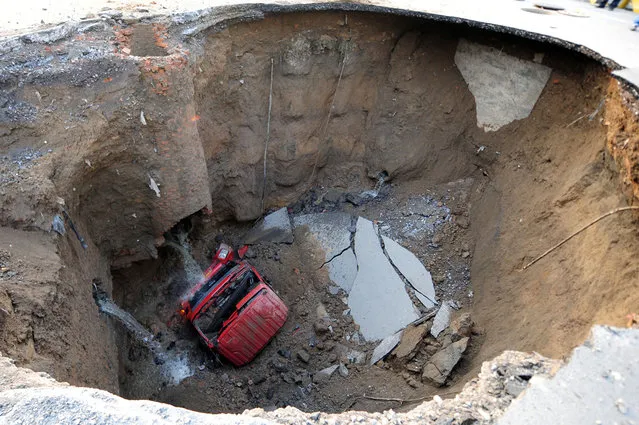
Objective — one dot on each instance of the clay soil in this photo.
(402, 109)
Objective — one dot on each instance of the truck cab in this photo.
(233, 309)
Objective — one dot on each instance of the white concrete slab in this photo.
(599, 385)
(505, 88)
(386, 346)
(331, 232)
(378, 300)
(276, 227)
(442, 319)
(413, 270)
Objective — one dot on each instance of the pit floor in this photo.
(433, 225)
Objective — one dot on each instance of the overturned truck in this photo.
(233, 309)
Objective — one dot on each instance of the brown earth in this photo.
(71, 133)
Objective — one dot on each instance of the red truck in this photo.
(232, 307)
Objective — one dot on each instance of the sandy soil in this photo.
(402, 108)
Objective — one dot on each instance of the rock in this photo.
(303, 355)
(411, 338)
(279, 366)
(355, 199)
(343, 371)
(321, 327)
(356, 357)
(414, 367)
(515, 386)
(321, 311)
(461, 327)
(378, 300)
(442, 319)
(57, 225)
(462, 222)
(284, 353)
(413, 270)
(276, 228)
(442, 363)
(333, 196)
(505, 88)
(414, 383)
(385, 347)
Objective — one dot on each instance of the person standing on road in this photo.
(612, 6)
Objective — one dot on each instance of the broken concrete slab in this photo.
(599, 384)
(442, 363)
(325, 374)
(505, 88)
(413, 270)
(442, 319)
(378, 300)
(386, 346)
(276, 228)
(331, 232)
(411, 338)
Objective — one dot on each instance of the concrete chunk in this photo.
(331, 232)
(411, 338)
(505, 88)
(386, 346)
(276, 228)
(378, 300)
(599, 384)
(442, 319)
(443, 362)
(324, 374)
(413, 270)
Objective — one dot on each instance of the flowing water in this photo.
(173, 366)
(191, 267)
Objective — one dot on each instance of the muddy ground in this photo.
(279, 377)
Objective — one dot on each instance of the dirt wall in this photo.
(88, 127)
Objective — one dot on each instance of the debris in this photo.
(303, 355)
(275, 228)
(411, 338)
(413, 270)
(356, 357)
(86, 161)
(58, 225)
(386, 346)
(505, 88)
(378, 300)
(443, 362)
(284, 353)
(321, 327)
(442, 319)
(324, 374)
(331, 231)
(333, 196)
(461, 327)
(142, 119)
(343, 371)
(154, 186)
(515, 386)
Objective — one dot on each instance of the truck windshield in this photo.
(210, 284)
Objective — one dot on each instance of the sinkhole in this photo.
(400, 150)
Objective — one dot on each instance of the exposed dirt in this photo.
(89, 130)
